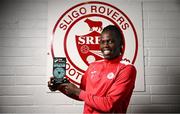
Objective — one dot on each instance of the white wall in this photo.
(23, 49)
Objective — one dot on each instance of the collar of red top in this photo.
(115, 60)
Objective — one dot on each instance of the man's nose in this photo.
(105, 44)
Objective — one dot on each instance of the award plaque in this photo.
(59, 70)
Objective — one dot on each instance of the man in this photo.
(107, 85)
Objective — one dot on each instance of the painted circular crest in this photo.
(77, 31)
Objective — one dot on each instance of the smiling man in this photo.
(111, 42)
(107, 85)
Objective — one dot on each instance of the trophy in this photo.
(59, 71)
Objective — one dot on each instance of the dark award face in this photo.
(59, 69)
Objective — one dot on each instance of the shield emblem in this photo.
(88, 47)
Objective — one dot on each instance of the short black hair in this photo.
(116, 30)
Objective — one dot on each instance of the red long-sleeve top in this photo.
(107, 86)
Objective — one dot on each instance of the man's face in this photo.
(109, 45)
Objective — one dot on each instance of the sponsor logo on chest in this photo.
(110, 75)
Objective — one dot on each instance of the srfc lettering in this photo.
(88, 40)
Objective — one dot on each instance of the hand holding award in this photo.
(59, 73)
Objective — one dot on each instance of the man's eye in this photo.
(110, 42)
(102, 42)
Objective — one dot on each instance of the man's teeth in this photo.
(106, 52)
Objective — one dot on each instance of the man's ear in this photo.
(121, 48)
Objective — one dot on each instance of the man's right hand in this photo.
(51, 85)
